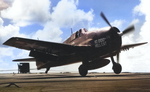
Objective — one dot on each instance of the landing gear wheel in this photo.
(117, 68)
(83, 70)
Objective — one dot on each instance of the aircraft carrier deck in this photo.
(72, 82)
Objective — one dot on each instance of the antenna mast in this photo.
(71, 31)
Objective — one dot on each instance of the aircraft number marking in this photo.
(100, 42)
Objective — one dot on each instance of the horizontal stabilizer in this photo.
(26, 59)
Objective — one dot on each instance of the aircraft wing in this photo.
(25, 59)
(126, 47)
(55, 48)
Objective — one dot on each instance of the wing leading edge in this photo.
(29, 44)
(51, 47)
(127, 47)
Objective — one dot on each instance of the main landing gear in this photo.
(47, 69)
(84, 67)
(83, 70)
(117, 68)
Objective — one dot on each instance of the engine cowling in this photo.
(97, 63)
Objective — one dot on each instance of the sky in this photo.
(52, 20)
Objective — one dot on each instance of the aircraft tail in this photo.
(39, 64)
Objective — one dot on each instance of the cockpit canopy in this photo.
(80, 32)
(75, 35)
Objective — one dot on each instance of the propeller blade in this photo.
(103, 16)
(117, 57)
(129, 29)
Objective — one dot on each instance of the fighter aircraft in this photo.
(89, 47)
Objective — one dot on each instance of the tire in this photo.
(83, 70)
(117, 68)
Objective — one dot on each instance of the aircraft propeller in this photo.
(103, 16)
(118, 56)
(127, 30)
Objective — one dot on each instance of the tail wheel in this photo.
(83, 70)
(117, 68)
